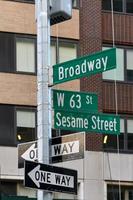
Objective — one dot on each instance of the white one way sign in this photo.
(65, 148)
(39, 176)
(47, 177)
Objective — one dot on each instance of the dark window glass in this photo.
(25, 134)
(106, 4)
(129, 64)
(7, 125)
(8, 188)
(113, 193)
(130, 141)
(7, 63)
(25, 1)
(118, 5)
(131, 194)
(130, 133)
(111, 142)
(129, 75)
(129, 6)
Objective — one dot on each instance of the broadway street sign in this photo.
(51, 178)
(75, 101)
(88, 122)
(84, 66)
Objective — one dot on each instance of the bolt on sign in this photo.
(88, 122)
(84, 66)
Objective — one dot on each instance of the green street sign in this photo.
(75, 101)
(88, 122)
(84, 66)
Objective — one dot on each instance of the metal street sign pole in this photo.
(43, 94)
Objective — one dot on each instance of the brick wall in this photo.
(123, 28)
(124, 97)
(90, 41)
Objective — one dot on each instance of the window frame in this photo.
(77, 6)
(25, 108)
(124, 8)
(59, 41)
(114, 187)
(24, 1)
(20, 36)
(125, 48)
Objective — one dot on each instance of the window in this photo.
(130, 133)
(7, 125)
(17, 53)
(113, 192)
(25, 1)
(117, 73)
(25, 55)
(67, 52)
(125, 137)
(129, 64)
(53, 54)
(7, 62)
(75, 3)
(106, 4)
(129, 6)
(111, 140)
(21, 122)
(62, 51)
(118, 5)
(8, 188)
(26, 125)
(124, 70)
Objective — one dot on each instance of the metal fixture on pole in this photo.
(43, 91)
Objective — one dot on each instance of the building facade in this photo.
(105, 172)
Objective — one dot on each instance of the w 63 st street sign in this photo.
(84, 66)
(88, 122)
(51, 178)
(75, 101)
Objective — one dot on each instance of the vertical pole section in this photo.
(43, 93)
